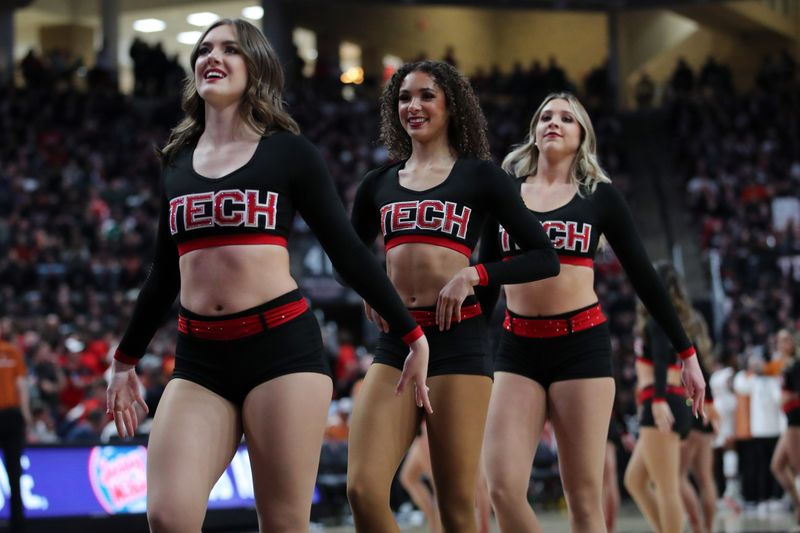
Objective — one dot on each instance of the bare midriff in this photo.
(645, 376)
(228, 279)
(572, 289)
(418, 271)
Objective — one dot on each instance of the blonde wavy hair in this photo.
(261, 107)
(585, 171)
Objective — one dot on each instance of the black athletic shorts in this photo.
(680, 411)
(582, 354)
(232, 367)
(462, 349)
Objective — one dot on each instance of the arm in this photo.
(620, 229)
(156, 296)
(661, 351)
(488, 252)
(539, 259)
(319, 204)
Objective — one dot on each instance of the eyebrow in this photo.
(432, 89)
(206, 43)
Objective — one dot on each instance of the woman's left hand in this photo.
(695, 385)
(453, 295)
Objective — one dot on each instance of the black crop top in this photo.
(251, 205)
(255, 204)
(575, 230)
(791, 378)
(656, 345)
(452, 214)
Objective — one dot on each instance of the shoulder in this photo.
(379, 173)
(286, 140)
(485, 171)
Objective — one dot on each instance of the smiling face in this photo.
(558, 130)
(220, 72)
(422, 107)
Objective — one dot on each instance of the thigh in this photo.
(793, 447)
(661, 455)
(690, 448)
(455, 429)
(194, 436)
(284, 422)
(580, 411)
(382, 427)
(517, 412)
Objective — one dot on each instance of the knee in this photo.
(284, 520)
(504, 492)
(167, 519)
(364, 495)
(585, 502)
(457, 512)
(634, 482)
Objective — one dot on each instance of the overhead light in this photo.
(202, 19)
(189, 37)
(253, 12)
(149, 25)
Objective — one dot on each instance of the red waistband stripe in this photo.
(650, 392)
(649, 362)
(543, 328)
(577, 261)
(428, 239)
(229, 240)
(791, 405)
(243, 326)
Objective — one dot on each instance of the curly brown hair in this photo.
(466, 128)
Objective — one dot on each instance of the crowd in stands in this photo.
(79, 201)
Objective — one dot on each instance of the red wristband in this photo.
(412, 335)
(122, 358)
(687, 353)
(483, 276)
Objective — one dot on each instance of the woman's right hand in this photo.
(374, 317)
(415, 370)
(662, 416)
(122, 395)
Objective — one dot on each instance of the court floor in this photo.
(630, 521)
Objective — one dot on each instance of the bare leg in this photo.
(793, 449)
(580, 411)
(483, 507)
(194, 436)
(381, 430)
(662, 456)
(516, 417)
(782, 470)
(691, 501)
(610, 488)
(703, 470)
(284, 421)
(637, 482)
(455, 434)
(416, 465)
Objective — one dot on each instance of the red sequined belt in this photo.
(543, 328)
(241, 326)
(428, 318)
